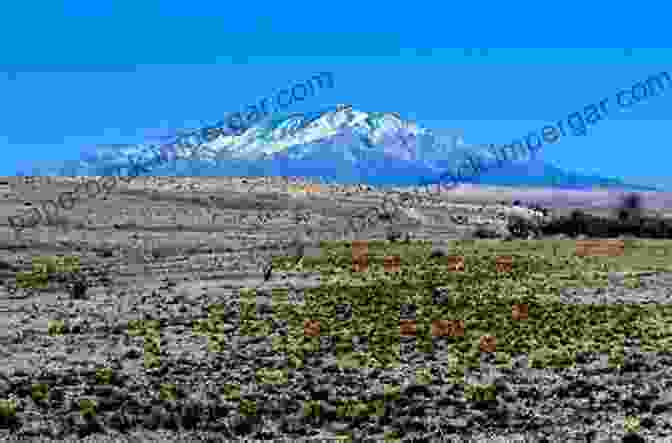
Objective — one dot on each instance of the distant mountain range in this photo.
(342, 145)
(536, 173)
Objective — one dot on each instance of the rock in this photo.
(632, 437)
(120, 420)
(662, 404)
(393, 235)
(522, 227)
(414, 214)
(132, 353)
(338, 426)
(343, 311)
(110, 397)
(78, 289)
(458, 219)
(490, 231)
(152, 420)
(615, 277)
(5, 387)
(438, 252)
(34, 429)
(93, 425)
(440, 296)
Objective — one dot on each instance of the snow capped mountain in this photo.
(343, 138)
(299, 131)
(344, 133)
(347, 145)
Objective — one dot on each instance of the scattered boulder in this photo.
(536, 207)
(78, 288)
(624, 223)
(437, 253)
(7, 266)
(482, 232)
(392, 234)
(458, 219)
(632, 437)
(268, 271)
(414, 214)
(490, 231)
(531, 214)
(440, 295)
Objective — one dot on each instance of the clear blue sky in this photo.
(75, 74)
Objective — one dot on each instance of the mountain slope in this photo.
(343, 144)
(537, 173)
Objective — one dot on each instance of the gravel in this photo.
(588, 401)
(543, 405)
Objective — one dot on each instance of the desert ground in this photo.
(168, 248)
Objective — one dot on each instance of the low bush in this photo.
(487, 232)
(580, 223)
(630, 207)
(520, 227)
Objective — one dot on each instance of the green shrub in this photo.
(480, 392)
(44, 267)
(248, 407)
(57, 264)
(55, 327)
(104, 376)
(37, 280)
(87, 408)
(231, 392)
(168, 392)
(7, 408)
(39, 392)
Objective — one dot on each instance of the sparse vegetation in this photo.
(39, 392)
(464, 292)
(87, 408)
(627, 220)
(57, 264)
(8, 418)
(55, 327)
(481, 294)
(46, 268)
(104, 376)
(35, 279)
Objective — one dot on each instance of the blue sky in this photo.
(77, 74)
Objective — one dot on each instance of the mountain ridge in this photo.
(349, 146)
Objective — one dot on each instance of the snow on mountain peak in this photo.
(279, 135)
(349, 145)
(337, 134)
